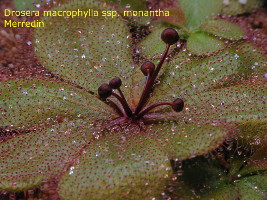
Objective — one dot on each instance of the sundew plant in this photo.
(137, 107)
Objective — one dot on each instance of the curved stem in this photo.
(124, 104)
(122, 96)
(150, 83)
(141, 114)
(144, 90)
(116, 107)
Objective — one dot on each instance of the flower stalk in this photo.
(170, 37)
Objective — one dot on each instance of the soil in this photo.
(255, 26)
(16, 54)
(17, 61)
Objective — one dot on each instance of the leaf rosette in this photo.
(66, 132)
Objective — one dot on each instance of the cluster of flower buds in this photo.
(170, 37)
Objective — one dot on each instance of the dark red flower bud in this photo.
(115, 83)
(170, 36)
(148, 68)
(104, 91)
(178, 105)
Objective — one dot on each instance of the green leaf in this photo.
(223, 29)
(253, 133)
(183, 139)
(32, 159)
(253, 61)
(24, 4)
(239, 103)
(201, 43)
(86, 52)
(136, 162)
(235, 7)
(118, 166)
(189, 75)
(253, 187)
(27, 103)
(131, 4)
(199, 11)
